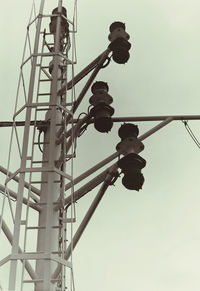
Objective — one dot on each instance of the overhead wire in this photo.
(189, 130)
(39, 142)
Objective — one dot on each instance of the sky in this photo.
(137, 241)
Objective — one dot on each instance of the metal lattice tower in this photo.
(43, 162)
(45, 166)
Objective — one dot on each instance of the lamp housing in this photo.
(102, 117)
(119, 42)
(101, 110)
(129, 143)
(128, 130)
(131, 166)
(64, 24)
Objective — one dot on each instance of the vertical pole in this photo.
(50, 188)
(16, 235)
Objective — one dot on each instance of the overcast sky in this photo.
(136, 241)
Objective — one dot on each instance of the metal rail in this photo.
(114, 119)
(18, 213)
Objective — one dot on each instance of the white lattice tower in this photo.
(42, 173)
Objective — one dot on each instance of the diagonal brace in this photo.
(9, 236)
(87, 217)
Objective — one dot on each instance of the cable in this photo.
(106, 63)
(87, 122)
(114, 179)
(82, 113)
(39, 145)
(88, 110)
(189, 130)
(83, 129)
(191, 133)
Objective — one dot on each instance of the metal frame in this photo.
(52, 203)
(15, 244)
(87, 217)
(116, 119)
(50, 191)
(9, 236)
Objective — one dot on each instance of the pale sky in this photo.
(136, 241)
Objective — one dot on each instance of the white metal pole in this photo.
(48, 239)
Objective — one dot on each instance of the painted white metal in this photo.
(25, 200)
(49, 259)
(48, 240)
(15, 244)
(155, 118)
(120, 119)
(156, 128)
(15, 178)
(53, 176)
(112, 171)
(9, 236)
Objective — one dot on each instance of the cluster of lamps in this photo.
(101, 111)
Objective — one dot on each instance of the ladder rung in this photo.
(33, 281)
(35, 227)
(51, 43)
(71, 220)
(45, 80)
(38, 182)
(44, 67)
(70, 156)
(42, 182)
(68, 220)
(42, 227)
(70, 104)
(42, 109)
(46, 33)
(55, 280)
(23, 222)
(41, 143)
(44, 94)
(41, 203)
(39, 162)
